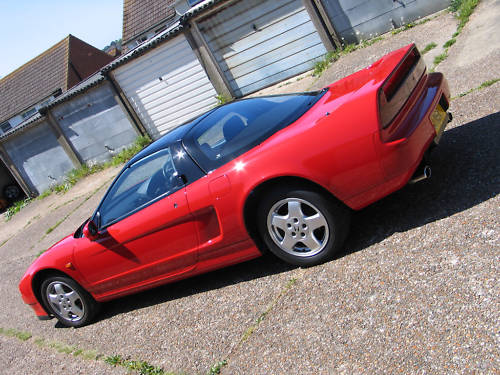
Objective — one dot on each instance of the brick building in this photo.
(34, 84)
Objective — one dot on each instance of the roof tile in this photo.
(140, 15)
(35, 80)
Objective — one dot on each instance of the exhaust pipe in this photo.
(421, 174)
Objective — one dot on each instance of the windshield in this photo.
(235, 128)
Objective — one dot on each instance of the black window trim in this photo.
(97, 213)
(193, 151)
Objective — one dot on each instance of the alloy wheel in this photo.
(298, 227)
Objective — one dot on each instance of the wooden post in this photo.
(207, 60)
(316, 7)
(62, 139)
(320, 26)
(125, 105)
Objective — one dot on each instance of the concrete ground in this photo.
(416, 289)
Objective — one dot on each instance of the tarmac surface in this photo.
(415, 290)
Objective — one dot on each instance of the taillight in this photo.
(399, 85)
(397, 77)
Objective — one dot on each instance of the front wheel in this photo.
(69, 302)
(302, 227)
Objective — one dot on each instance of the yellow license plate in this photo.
(438, 119)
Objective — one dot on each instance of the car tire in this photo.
(302, 227)
(11, 192)
(72, 305)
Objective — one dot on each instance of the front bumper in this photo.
(30, 299)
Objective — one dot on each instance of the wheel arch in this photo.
(252, 201)
(38, 279)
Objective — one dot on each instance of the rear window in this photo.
(235, 128)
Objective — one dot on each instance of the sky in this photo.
(29, 27)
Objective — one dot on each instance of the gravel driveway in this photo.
(416, 289)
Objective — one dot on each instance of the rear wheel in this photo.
(302, 227)
(69, 302)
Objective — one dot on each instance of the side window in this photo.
(223, 131)
(138, 186)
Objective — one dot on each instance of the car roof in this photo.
(177, 134)
(168, 139)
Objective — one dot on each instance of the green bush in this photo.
(16, 207)
(463, 9)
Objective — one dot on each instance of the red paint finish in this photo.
(339, 144)
(219, 186)
(155, 243)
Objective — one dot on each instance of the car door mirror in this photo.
(90, 231)
(181, 180)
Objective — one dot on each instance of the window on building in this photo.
(5, 126)
(44, 103)
(29, 113)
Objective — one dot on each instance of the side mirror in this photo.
(90, 231)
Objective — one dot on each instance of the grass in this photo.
(215, 369)
(250, 330)
(85, 170)
(440, 58)
(21, 335)
(140, 367)
(127, 153)
(77, 174)
(323, 64)
(410, 25)
(67, 349)
(31, 220)
(449, 43)
(365, 43)
(332, 56)
(16, 207)
(55, 225)
(462, 10)
(489, 83)
(222, 99)
(428, 47)
(137, 366)
(483, 85)
(5, 241)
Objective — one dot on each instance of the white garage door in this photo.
(167, 86)
(260, 42)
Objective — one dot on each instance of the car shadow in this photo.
(247, 271)
(465, 172)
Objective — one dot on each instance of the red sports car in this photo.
(278, 173)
